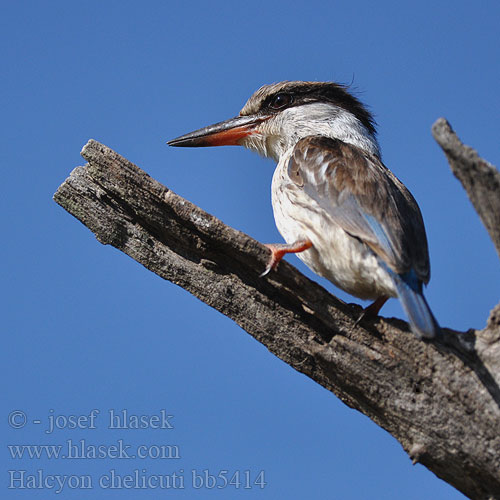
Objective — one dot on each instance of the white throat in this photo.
(280, 133)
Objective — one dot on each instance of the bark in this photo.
(480, 179)
(439, 399)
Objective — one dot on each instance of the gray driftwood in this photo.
(440, 400)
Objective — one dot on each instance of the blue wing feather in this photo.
(410, 293)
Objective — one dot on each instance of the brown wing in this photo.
(365, 198)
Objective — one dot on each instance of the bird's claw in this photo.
(360, 317)
(266, 271)
(273, 260)
(278, 251)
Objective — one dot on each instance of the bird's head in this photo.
(277, 116)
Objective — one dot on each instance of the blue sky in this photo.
(86, 328)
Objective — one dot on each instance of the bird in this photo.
(337, 206)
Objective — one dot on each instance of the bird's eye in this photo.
(280, 101)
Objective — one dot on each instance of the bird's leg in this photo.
(373, 309)
(279, 250)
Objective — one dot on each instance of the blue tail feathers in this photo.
(409, 288)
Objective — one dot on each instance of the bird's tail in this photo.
(423, 322)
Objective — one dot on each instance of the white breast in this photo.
(345, 261)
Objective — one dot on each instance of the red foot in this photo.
(278, 251)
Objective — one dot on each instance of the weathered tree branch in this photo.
(440, 400)
(480, 179)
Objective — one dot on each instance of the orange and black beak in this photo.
(226, 133)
